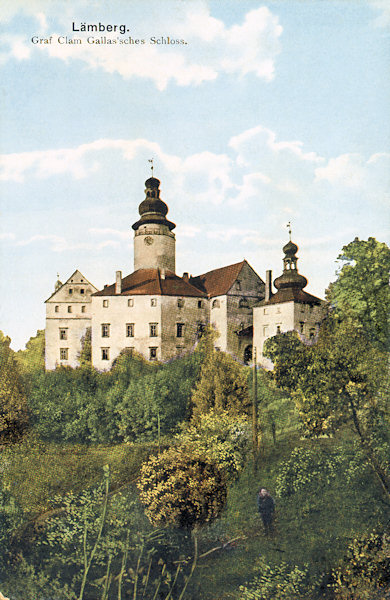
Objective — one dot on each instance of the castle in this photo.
(161, 315)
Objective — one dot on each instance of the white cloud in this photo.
(248, 141)
(108, 231)
(14, 46)
(353, 171)
(383, 6)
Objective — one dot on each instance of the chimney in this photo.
(162, 273)
(118, 282)
(185, 276)
(268, 285)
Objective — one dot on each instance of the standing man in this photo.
(266, 506)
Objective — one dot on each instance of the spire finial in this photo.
(289, 229)
(151, 165)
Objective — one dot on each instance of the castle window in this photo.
(82, 291)
(265, 311)
(83, 309)
(69, 309)
(153, 329)
(64, 353)
(152, 353)
(278, 330)
(301, 326)
(130, 330)
(216, 304)
(130, 302)
(105, 330)
(180, 303)
(105, 303)
(153, 302)
(57, 308)
(63, 334)
(179, 329)
(105, 354)
(312, 333)
(200, 304)
(243, 303)
(265, 331)
(70, 291)
(82, 280)
(200, 329)
(238, 285)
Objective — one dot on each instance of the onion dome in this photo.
(290, 277)
(290, 249)
(153, 209)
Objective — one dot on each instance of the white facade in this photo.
(271, 319)
(68, 315)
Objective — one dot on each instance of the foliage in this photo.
(222, 438)
(181, 488)
(98, 545)
(222, 386)
(32, 358)
(308, 467)
(85, 355)
(61, 469)
(361, 293)
(278, 582)
(366, 569)
(13, 405)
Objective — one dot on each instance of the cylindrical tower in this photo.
(154, 241)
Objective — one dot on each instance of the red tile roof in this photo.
(150, 282)
(219, 281)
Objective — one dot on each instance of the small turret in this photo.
(58, 283)
(290, 277)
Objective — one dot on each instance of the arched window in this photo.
(243, 303)
(216, 304)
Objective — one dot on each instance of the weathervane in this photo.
(289, 229)
(151, 166)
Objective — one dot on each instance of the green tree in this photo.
(13, 405)
(222, 385)
(361, 293)
(181, 488)
(32, 358)
(221, 437)
(85, 354)
(337, 381)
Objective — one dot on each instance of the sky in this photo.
(263, 113)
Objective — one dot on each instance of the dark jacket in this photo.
(265, 504)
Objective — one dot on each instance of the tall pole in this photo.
(254, 408)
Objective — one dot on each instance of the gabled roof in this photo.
(291, 295)
(76, 275)
(151, 282)
(219, 281)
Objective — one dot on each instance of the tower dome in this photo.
(153, 209)
(290, 277)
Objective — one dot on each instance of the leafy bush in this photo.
(221, 437)
(279, 582)
(181, 488)
(366, 569)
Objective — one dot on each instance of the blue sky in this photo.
(271, 112)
